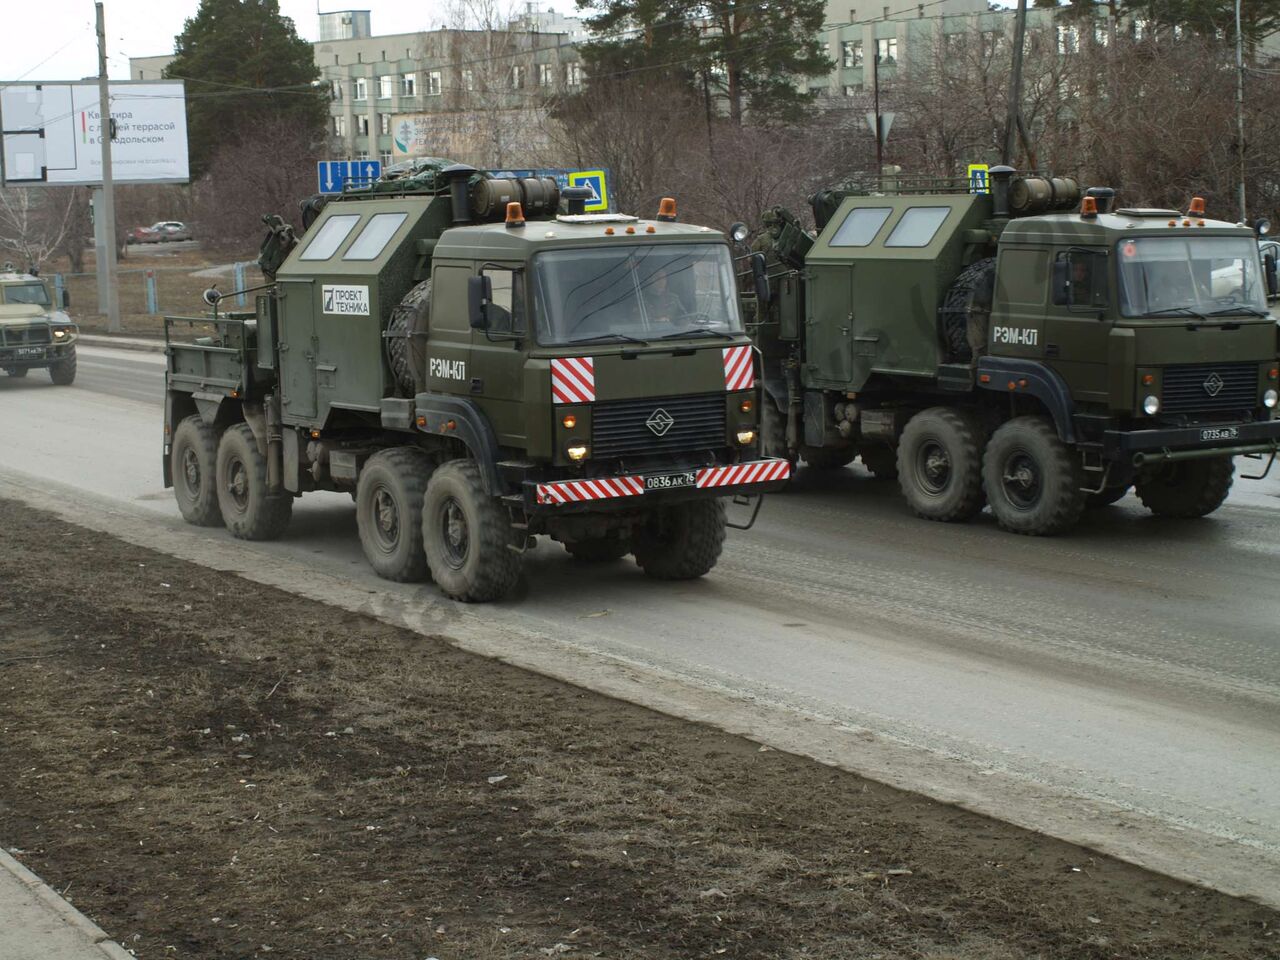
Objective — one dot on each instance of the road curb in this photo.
(122, 343)
(65, 911)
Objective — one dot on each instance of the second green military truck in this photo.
(476, 369)
(1030, 349)
(35, 331)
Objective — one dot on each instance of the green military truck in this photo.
(1029, 349)
(476, 369)
(35, 331)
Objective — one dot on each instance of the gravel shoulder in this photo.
(209, 767)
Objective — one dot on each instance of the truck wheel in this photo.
(389, 512)
(249, 512)
(1186, 488)
(1032, 478)
(63, 372)
(827, 458)
(966, 309)
(467, 536)
(17, 372)
(880, 460)
(682, 541)
(599, 549)
(1105, 498)
(193, 459)
(409, 316)
(940, 465)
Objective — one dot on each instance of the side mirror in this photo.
(1060, 286)
(759, 275)
(66, 299)
(1269, 268)
(479, 293)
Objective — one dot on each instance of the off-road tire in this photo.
(248, 510)
(389, 497)
(63, 372)
(940, 465)
(880, 461)
(17, 372)
(682, 541)
(828, 458)
(1106, 497)
(1186, 488)
(483, 566)
(404, 318)
(193, 464)
(966, 310)
(1043, 494)
(599, 549)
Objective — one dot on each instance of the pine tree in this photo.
(248, 72)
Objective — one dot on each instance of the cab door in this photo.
(498, 354)
(829, 326)
(1077, 334)
(297, 346)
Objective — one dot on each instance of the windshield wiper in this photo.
(599, 338)
(1176, 312)
(1239, 308)
(697, 332)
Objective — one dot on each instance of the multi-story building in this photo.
(452, 92)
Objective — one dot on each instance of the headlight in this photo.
(746, 437)
(576, 451)
(1269, 398)
(61, 334)
(1151, 405)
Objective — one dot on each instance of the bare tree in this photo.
(33, 222)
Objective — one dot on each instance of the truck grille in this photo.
(25, 336)
(1210, 387)
(621, 427)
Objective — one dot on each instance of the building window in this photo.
(359, 89)
(887, 50)
(573, 74)
(468, 80)
(920, 10)
(335, 90)
(545, 76)
(433, 84)
(851, 53)
(339, 126)
(886, 13)
(853, 14)
(362, 155)
(385, 159)
(1141, 28)
(362, 126)
(386, 87)
(852, 89)
(409, 85)
(384, 123)
(517, 78)
(1068, 39)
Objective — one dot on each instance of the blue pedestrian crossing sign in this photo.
(333, 176)
(978, 182)
(597, 182)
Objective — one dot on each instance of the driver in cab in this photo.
(661, 305)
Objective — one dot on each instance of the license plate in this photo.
(1219, 433)
(28, 353)
(669, 481)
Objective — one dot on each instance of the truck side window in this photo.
(506, 309)
(1079, 279)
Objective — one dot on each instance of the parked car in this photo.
(164, 231)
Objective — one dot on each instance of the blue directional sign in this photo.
(333, 176)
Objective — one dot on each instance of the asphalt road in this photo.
(1119, 685)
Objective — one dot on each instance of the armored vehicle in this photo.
(1030, 348)
(476, 369)
(35, 331)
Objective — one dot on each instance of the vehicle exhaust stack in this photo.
(1105, 197)
(1000, 177)
(458, 175)
(575, 199)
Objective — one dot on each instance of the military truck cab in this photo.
(35, 331)
(478, 369)
(1029, 349)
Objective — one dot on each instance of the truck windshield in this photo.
(1187, 275)
(27, 293)
(647, 292)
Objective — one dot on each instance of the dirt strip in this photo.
(213, 768)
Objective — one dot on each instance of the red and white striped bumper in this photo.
(721, 479)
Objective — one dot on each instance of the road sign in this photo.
(597, 182)
(886, 121)
(978, 182)
(332, 176)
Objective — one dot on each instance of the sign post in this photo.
(333, 176)
(106, 253)
(978, 181)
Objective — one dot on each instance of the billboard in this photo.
(49, 133)
(468, 136)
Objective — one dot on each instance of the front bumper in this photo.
(753, 477)
(35, 356)
(1183, 443)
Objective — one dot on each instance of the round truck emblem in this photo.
(1213, 385)
(659, 422)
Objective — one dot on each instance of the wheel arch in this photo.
(457, 418)
(1042, 384)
